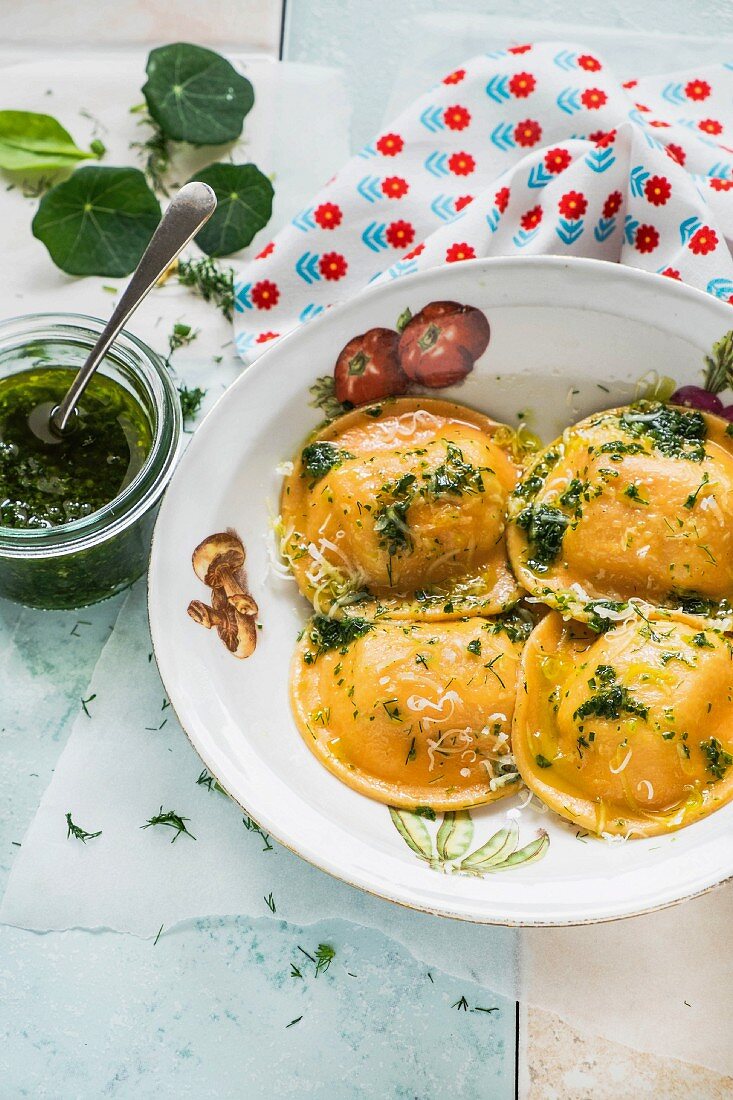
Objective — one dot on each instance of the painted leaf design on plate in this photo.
(496, 849)
(531, 853)
(413, 831)
(455, 834)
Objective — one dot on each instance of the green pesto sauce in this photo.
(44, 484)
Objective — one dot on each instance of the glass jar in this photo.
(89, 559)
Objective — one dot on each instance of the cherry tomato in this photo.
(368, 368)
(441, 343)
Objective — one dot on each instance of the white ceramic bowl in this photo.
(568, 337)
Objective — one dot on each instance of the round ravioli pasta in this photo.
(635, 503)
(629, 733)
(398, 510)
(411, 714)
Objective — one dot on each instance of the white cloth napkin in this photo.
(532, 149)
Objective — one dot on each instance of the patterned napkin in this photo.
(534, 149)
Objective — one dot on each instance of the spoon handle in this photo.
(192, 206)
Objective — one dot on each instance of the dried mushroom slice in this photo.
(629, 733)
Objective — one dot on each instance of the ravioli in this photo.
(631, 504)
(398, 510)
(411, 714)
(629, 733)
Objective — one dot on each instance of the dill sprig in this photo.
(190, 402)
(181, 336)
(719, 365)
(461, 1005)
(208, 781)
(325, 954)
(77, 832)
(172, 821)
(270, 903)
(213, 282)
(155, 154)
(252, 827)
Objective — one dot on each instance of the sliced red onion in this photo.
(695, 397)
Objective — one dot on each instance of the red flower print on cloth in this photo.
(389, 145)
(458, 252)
(463, 201)
(455, 77)
(704, 241)
(415, 251)
(721, 185)
(265, 294)
(532, 218)
(697, 90)
(657, 190)
(573, 205)
(456, 117)
(528, 132)
(603, 138)
(332, 266)
(328, 215)
(461, 164)
(676, 152)
(658, 124)
(612, 205)
(671, 273)
(394, 187)
(501, 198)
(589, 63)
(519, 49)
(710, 126)
(266, 251)
(400, 234)
(646, 238)
(557, 160)
(265, 336)
(522, 84)
(593, 98)
(629, 83)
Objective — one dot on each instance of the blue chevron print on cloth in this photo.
(527, 150)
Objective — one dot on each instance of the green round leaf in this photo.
(30, 141)
(98, 222)
(195, 95)
(244, 206)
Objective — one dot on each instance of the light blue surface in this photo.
(204, 1012)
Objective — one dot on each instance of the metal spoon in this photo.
(190, 209)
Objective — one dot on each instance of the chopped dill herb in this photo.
(693, 604)
(455, 476)
(461, 1005)
(292, 1022)
(717, 760)
(208, 781)
(190, 401)
(172, 821)
(598, 623)
(692, 498)
(84, 704)
(701, 641)
(516, 625)
(181, 336)
(325, 954)
(530, 485)
(212, 281)
(545, 527)
(319, 458)
(572, 495)
(77, 832)
(270, 903)
(155, 155)
(542, 761)
(390, 520)
(611, 700)
(474, 647)
(677, 433)
(252, 827)
(616, 448)
(632, 492)
(295, 971)
(325, 634)
(421, 659)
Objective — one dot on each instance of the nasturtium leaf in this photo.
(30, 141)
(98, 222)
(195, 95)
(244, 206)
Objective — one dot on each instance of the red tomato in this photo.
(368, 368)
(441, 343)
